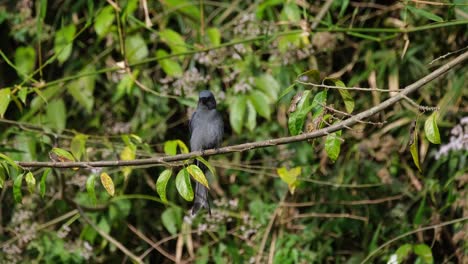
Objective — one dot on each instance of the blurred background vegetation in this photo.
(64, 84)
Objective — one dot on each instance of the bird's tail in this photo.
(201, 194)
(201, 199)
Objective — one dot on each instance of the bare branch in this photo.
(265, 143)
(347, 88)
(328, 215)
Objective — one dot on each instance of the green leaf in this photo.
(82, 89)
(174, 40)
(286, 91)
(198, 175)
(128, 142)
(237, 113)
(291, 12)
(63, 42)
(186, 7)
(214, 36)
(431, 129)
(22, 94)
(251, 116)
(130, 7)
(183, 148)
(3, 174)
(104, 21)
(135, 48)
(344, 5)
(297, 118)
(269, 86)
(290, 177)
(347, 99)
(171, 219)
(136, 138)
(25, 59)
(78, 145)
(30, 182)
(56, 115)
(26, 145)
(43, 10)
(90, 188)
(5, 98)
(42, 184)
(419, 216)
(403, 252)
(260, 103)
(183, 185)
(170, 147)
(9, 161)
(170, 66)
(414, 150)
(373, 243)
(424, 13)
(320, 99)
(424, 252)
(125, 85)
(333, 145)
(63, 154)
(17, 188)
(161, 183)
(42, 97)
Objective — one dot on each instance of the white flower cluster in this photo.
(186, 84)
(458, 140)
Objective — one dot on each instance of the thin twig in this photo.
(328, 215)
(448, 54)
(421, 108)
(357, 202)
(349, 115)
(347, 88)
(267, 233)
(271, 255)
(433, 3)
(145, 9)
(114, 5)
(152, 243)
(321, 14)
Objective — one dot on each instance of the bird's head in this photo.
(206, 100)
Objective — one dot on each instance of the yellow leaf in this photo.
(290, 177)
(414, 146)
(127, 154)
(108, 184)
(198, 175)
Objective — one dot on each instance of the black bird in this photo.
(206, 129)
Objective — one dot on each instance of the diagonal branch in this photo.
(265, 143)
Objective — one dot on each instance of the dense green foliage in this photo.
(106, 80)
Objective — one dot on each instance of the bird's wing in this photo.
(191, 124)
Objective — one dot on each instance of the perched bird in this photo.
(206, 132)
